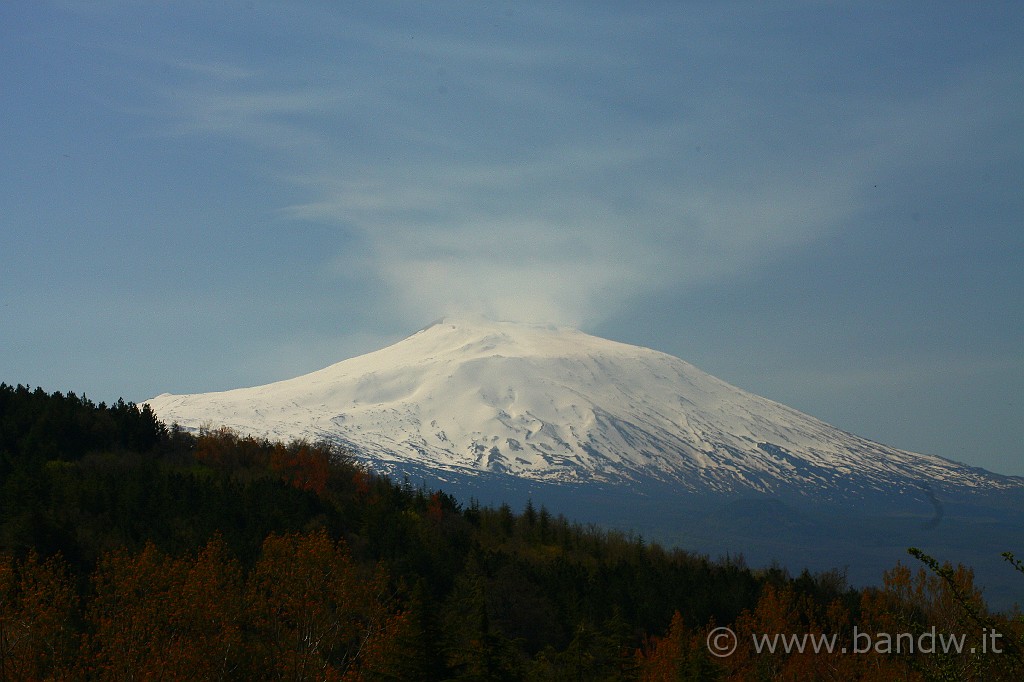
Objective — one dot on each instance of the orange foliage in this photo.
(313, 615)
(301, 466)
(662, 659)
(158, 616)
(37, 602)
(798, 640)
(922, 607)
(304, 613)
(435, 509)
(222, 448)
(361, 482)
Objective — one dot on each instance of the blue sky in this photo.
(818, 202)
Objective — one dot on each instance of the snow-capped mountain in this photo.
(475, 397)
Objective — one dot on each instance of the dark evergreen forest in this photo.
(130, 549)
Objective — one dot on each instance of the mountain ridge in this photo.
(471, 397)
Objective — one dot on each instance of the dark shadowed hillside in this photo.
(128, 548)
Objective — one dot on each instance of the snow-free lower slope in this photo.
(558, 405)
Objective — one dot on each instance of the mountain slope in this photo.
(474, 397)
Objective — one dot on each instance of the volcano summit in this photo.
(552, 404)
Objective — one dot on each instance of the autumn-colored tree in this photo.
(224, 449)
(128, 615)
(210, 615)
(217, 447)
(777, 612)
(37, 604)
(313, 616)
(361, 482)
(791, 636)
(934, 622)
(302, 466)
(435, 508)
(680, 654)
(158, 616)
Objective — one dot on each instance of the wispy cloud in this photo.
(806, 191)
(451, 203)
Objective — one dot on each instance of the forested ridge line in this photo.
(129, 548)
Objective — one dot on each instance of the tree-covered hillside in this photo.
(130, 549)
